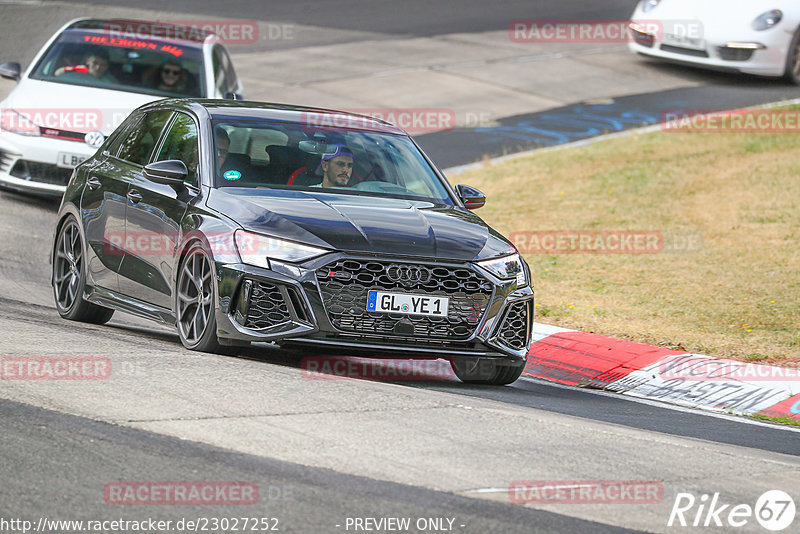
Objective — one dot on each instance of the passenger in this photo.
(96, 64)
(337, 168)
(170, 77)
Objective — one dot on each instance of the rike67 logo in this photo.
(774, 510)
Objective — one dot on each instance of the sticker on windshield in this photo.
(232, 175)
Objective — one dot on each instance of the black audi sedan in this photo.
(243, 222)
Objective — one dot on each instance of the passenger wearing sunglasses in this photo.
(169, 77)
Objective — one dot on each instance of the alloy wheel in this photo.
(195, 297)
(68, 266)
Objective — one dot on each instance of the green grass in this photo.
(728, 206)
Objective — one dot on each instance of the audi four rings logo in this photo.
(408, 274)
(94, 139)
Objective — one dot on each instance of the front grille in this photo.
(684, 51)
(345, 284)
(5, 159)
(513, 331)
(40, 172)
(735, 54)
(267, 307)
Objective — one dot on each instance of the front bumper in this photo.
(290, 303)
(759, 53)
(30, 164)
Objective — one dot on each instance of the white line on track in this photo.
(658, 404)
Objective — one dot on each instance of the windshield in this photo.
(283, 155)
(98, 59)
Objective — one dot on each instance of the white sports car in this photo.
(86, 80)
(750, 36)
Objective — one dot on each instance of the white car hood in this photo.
(73, 107)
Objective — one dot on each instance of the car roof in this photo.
(244, 109)
(130, 28)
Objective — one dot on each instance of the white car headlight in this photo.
(767, 20)
(15, 122)
(507, 268)
(649, 5)
(257, 250)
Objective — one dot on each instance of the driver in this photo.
(96, 64)
(337, 168)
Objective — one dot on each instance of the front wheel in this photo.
(194, 302)
(486, 371)
(793, 60)
(69, 278)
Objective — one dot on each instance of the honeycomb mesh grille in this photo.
(735, 54)
(513, 331)
(345, 284)
(267, 307)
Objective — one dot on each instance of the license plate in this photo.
(684, 41)
(67, 160)
(381, 301)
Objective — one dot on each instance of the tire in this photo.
(485, 371)
(69, 278)
(792, 72)
(195, 298)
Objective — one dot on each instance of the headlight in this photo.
(257, 249)
(649, 5)
(507, 268)
(767, 20)
(16, 122)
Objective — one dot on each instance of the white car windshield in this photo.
(101, 59)
(283, 155)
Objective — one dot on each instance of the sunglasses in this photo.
(174, 72)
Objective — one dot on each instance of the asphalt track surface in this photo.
(62, 444)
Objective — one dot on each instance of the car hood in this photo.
(76, 108)
(362, 224)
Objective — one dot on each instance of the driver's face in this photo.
(97, 66)
(337, 171)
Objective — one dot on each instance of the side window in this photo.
(138, 146)
(219, 72)
(225, 80)
(230, 74)
(124, 131)
(181, 143)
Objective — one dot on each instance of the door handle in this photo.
(93, 183)
(134, 196)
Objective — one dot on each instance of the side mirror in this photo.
(11, 71)
(471, 197)
(172, 172)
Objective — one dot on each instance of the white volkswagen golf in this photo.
(86, 80)
(759, 37)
